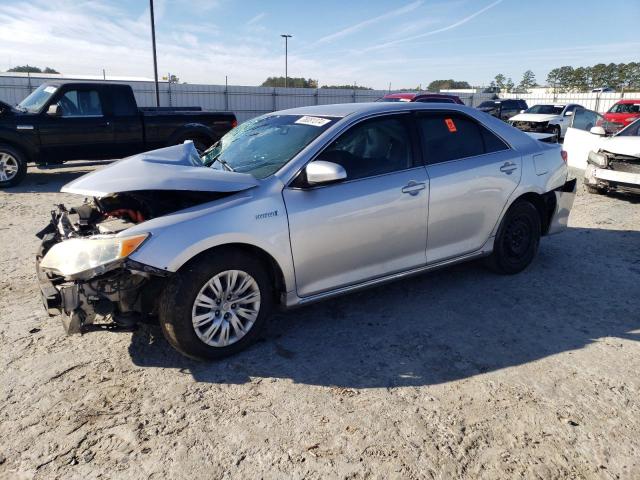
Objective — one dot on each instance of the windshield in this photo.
(34, 102)
(546, 109)
(261, 146)
(625, 108)
(631, 130)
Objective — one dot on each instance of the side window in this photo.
(121, 103)
(80, 103)
(447, 137)
(373, 147)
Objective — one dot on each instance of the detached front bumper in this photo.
(565, 196)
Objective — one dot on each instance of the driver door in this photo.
(372, 224)
(81, 130)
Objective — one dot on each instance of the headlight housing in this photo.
(597, 159)
(89, 256)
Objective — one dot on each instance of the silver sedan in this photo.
(293, 207)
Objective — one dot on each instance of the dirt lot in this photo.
(455, 374)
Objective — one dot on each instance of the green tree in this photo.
(509, 84)
(499, 81)
(528, 81)
(30, 69)
(347, 87)
(292, 82)
(437, 85)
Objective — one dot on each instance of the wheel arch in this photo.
(273, 268)
(545, 204)
(191, 130)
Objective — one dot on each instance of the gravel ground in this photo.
(455, 374)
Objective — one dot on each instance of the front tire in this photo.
(517, 240)
(13, 166)
(558, 133)
(216, 305)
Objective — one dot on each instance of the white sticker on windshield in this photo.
(313, 121)
(50, 89)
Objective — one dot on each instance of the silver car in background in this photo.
(294, 207)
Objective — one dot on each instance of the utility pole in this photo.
(155, 59)
(286, 54)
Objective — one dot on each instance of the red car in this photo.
(422, 97)
(622, 114)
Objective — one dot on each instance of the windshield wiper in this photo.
(224, 164)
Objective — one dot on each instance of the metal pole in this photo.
(286, 55)
(155, 59)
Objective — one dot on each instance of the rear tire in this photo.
(216, 305)
(517, 240)
(13, 166)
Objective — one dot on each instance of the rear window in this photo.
(451, 136)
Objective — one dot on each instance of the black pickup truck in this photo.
(62, 121)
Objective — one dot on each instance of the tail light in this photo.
(234, 123)
(564, 155)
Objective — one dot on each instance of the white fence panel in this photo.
(599, 102)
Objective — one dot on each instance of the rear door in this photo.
(472, 173)
(82, 130)
(372, 224)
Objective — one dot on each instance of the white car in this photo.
(553, 118)
(609, 162)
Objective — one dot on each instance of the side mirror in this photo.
(54, 110)
(598, 131)
(321, 172)
(568, 114)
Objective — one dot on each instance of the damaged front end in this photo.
(83, 265)
(607, 171)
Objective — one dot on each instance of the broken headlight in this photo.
(89, 255)
(597, 159)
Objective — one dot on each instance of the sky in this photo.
(371, 43)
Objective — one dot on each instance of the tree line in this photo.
(301, 82)
(32, 69)
(620, 76)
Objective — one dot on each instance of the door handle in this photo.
(508, 168)
(413, 188)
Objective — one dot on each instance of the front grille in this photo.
(625, 165)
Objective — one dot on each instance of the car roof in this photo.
(347, 109)
(629, 100)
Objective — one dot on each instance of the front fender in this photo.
(247, 218)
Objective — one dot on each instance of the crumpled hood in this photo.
(533, 117)
(622, 146)
(172, 168)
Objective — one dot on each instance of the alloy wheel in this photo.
(8, 167)
(226, 308)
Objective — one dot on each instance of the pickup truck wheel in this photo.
(216, 306)
(13, 166)
(517, 240)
